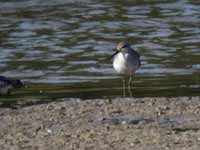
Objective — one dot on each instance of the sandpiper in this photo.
(126, 61)
(7, 85)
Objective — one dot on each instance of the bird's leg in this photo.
(132, 80)
(124, 86)
(129, 86)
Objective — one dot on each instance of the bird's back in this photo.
(133, 59)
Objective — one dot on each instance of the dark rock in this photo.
(7, 85)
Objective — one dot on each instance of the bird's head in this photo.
(122, 46)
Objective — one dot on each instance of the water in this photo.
(62, 48)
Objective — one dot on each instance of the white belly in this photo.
(119, 63)
(122, 66)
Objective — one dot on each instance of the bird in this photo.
(7, 85)
(126, 61)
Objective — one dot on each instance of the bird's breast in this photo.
(125, 63)
(119, 63)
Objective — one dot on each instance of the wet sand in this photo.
(103, 124)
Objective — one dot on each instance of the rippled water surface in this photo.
(62, 47)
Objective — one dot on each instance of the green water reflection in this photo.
(61, 47)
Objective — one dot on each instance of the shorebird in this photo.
(126, 61)
(7, 85)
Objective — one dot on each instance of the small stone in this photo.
(132, 144)
(124, 122)
(49, 131)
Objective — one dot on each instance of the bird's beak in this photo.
(114, 54)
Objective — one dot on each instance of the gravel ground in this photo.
(103, 124)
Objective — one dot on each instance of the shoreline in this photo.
(121, 123)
